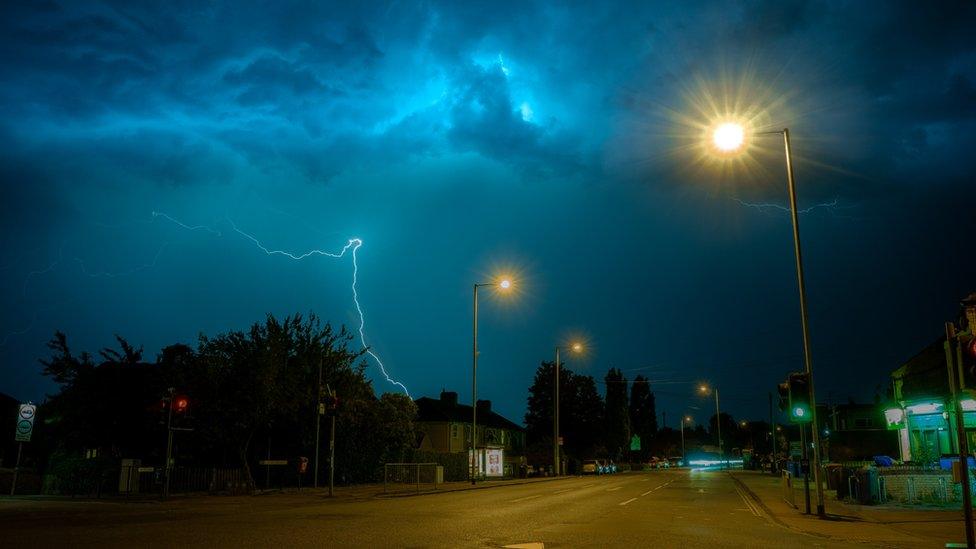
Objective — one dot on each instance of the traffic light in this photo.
(181, 404)
(967, 347)
(799, 391)
(784, 395)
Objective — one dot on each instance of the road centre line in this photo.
(526, 498)
(614, 488)
(647, 492)
(628, 501)
(563, 491)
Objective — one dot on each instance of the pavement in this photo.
(669, 508)
(887, 525)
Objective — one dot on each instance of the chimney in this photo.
(484, 406)
(449, 398)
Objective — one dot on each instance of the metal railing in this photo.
(412, 476)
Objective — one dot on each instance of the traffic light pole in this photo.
(953, 364)
(807, 355)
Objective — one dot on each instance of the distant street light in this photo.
(730, 138)
(718, 417)
(575, 347)
(504, 284)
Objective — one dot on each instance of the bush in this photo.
(72, 474)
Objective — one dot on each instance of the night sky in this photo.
(461, 141)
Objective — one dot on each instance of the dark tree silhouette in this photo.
(617, 416)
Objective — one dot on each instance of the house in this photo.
(923, 412)
(858, 432)
(445, 427)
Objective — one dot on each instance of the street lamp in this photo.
(718, 417)
(504, 284)
(685, 419)
(575, 347)
(730, 138)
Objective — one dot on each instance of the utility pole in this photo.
(555, 416)
(682, 438)
(333, 405)
(772, 437)
(169, 442)
(954, 366)
(318, 424)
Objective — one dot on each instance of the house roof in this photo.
(436, 410)
(924, 375)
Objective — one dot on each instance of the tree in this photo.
(729, 430)
(580, 415)
(617, 417)
(643, 415)
(250, 391)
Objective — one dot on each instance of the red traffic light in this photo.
(180, 404)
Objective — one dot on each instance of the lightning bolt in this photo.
(764, 207)
(351, 247)
(84, 270)
(207, 228)
(49, 268)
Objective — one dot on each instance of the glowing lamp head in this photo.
(703, 388)
(688, 419)
(577, 347)
(505, 284)
(728, 137)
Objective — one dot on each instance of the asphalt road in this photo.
(655, 509)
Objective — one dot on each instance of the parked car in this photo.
(592, 467)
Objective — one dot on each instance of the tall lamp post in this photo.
(504, 285)
(730, 138)
(684, 419)
(718, 418)
(576, 348)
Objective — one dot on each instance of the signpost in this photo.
(25, 428)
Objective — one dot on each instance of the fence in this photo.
(149, 480)
(411, 476)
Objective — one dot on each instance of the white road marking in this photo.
(532, 545)
(745, 499)
(563, 491)
(628, 501)
(645, 479)
(615, 488)
(526, 498)
(647, 492)
(588, 485)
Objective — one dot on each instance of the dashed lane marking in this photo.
(526, 498)
(628, 501)
(614, 488)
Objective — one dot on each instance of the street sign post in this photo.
(25, 422)
(22, 434)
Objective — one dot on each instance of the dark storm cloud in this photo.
(108, 109)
